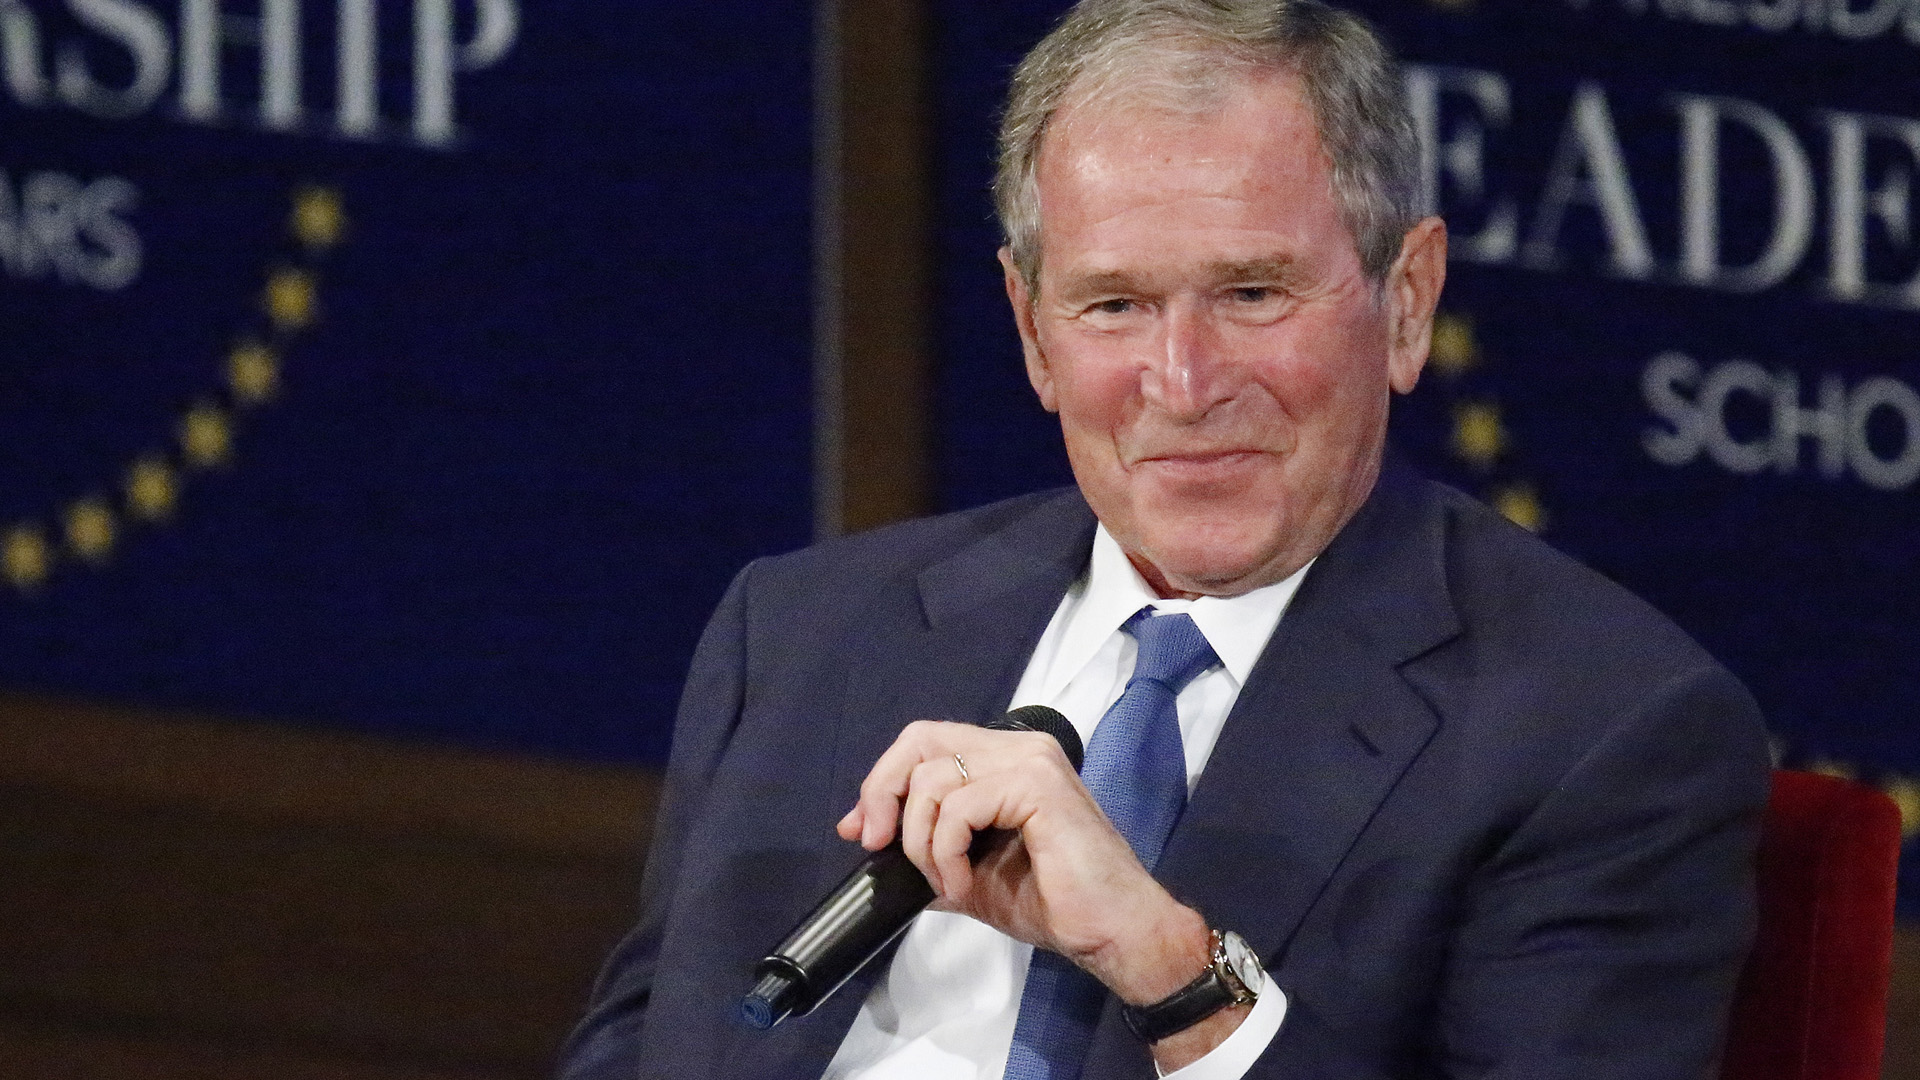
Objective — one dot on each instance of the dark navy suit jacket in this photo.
(1483, 813)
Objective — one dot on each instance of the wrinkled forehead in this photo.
(1169, 87)
(1258, 124)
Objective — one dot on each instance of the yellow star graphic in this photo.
(253, 372)
(318, 220)
(90, 530)
(290, 299)
(1453, 351)
(1906, 795)
(1478, 436)
(152, 489)
(1521, 506)
(206, 439)
(24, 556)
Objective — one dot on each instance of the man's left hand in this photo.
(1066, 881)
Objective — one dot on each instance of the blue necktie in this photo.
(1137, 772)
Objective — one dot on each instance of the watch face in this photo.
(1242, 961)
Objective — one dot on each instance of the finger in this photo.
(878, 810)
(885, 787)
(934, 782)
(963, 813)
(849, 826)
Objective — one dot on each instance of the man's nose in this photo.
(1191, 370)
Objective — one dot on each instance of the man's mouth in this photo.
(1200, 457)
(1201, 466)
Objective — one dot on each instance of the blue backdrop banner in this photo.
(1678, 328)
(428, 366)
(423, 366)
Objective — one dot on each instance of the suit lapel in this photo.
(955, 651)
(959, 653)
(1325, 726)
(1320, 734)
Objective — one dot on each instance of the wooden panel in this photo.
(223, 901)
(886, 257)
(262, 770)
(30, 1055)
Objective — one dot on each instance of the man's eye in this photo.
(1113, 307)
(1252, 294)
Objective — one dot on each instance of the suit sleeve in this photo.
(1603, 937)
(606, 1044)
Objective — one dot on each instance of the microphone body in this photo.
(868, 909)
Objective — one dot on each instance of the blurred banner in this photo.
(419, 366)
(1679, 328)
(428, 366)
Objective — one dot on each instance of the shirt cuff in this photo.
(1232, 1058)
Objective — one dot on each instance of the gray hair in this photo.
(1188, 55)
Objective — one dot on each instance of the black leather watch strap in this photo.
(1187, 1006)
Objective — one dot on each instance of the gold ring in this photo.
(961, 764)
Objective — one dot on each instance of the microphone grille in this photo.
(1042, 718)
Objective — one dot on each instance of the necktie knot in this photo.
(1173, 651)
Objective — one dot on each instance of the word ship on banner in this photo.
(178, 62)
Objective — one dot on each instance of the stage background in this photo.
(427, 376)
(389, 389)
(427, 369)
(431, 375)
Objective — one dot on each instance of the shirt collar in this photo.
(1112, 590)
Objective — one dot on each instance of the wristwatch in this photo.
(1233, 978)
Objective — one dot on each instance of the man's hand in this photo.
(1067, 882)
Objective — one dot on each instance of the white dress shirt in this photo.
(946, 1008)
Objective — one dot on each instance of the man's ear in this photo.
(1038, 373)
(1413, 293)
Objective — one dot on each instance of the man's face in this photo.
(1203, 327)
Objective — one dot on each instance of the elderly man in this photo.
(1377, 786)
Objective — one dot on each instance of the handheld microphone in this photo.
(868, 909)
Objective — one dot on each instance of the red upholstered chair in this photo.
(1812, 1002)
